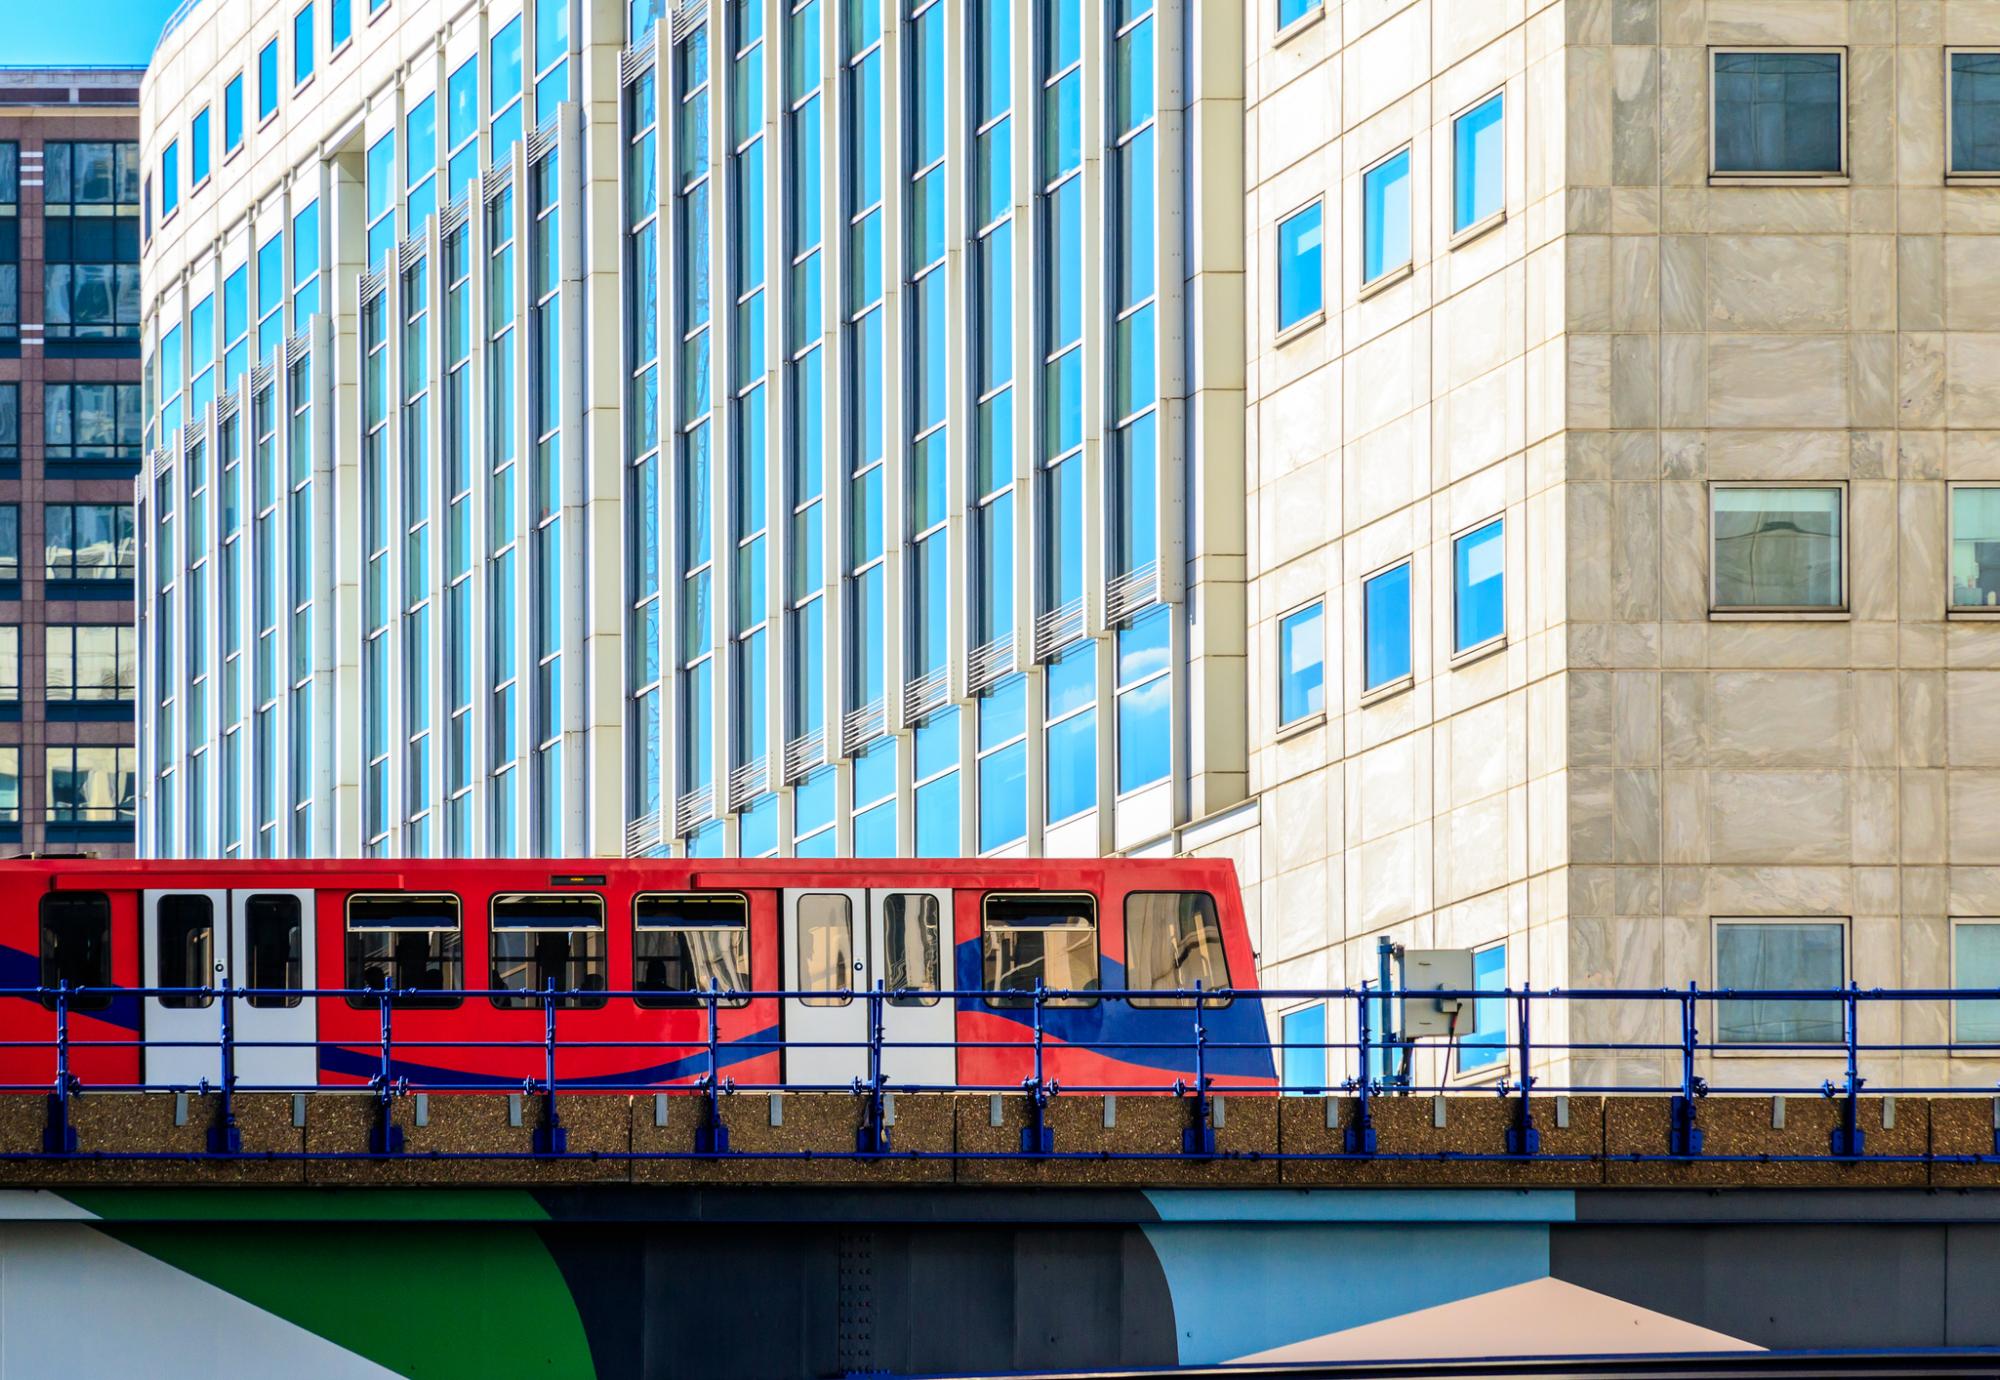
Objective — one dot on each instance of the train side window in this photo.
(1050, 938)
(911, 933)
(76, 946)
(1173, 940)
(410, 942)
(680, 944)
(184, 929)
(538, 940)
(274, 941)
(824, 931)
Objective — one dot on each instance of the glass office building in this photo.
(759, 427)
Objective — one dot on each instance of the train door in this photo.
(825, 943)
(183, 1030)
(271, 946)
(909, 951)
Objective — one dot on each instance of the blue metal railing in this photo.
(1167, 1046)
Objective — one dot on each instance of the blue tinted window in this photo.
(1303, 1034)
(1072, 740)
(302, 45)
(1484, 1043)
(875, 772)
(1975, 112)
(267, 79)
(198, 148)
(170, 177)
(1385, 627)
(1301, 290)
(1479, 159)
(1976, 964)
(1003, 765)
(1479, 568)
(1302, 663)
(937, 818)
(1292, 11)
(1145, 700)
(757, 828)
(339, 21)
(937, 744)
(1385, 217)
(233, 113)
(813, 800)
(1777, 113)
(1777, 957)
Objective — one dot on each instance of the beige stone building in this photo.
(1699, 300)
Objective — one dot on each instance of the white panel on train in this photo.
(909, 951)
(183, 1030)
(257, 939)
(271, 949)
(825, 942)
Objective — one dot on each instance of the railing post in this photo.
(1684, 1136)
(711, 1137)
(1199, 1137)
(224, 1137)
(1037, 1137)
(58, 1134)
(1848, 1137)
(551, 1136)
(387, 1137)
(1360, 1137)
(872, 1137)
(1522, 1137)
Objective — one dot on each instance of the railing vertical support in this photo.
(872, 1137)
(711, 1137)
(58, 1134)
(1684, 1135)
(1848, 1138)
(386, 1138)
(1522, 1137)
(224, 1137)
(1037, 1137)
(551, 1136)
(1360, 1137)
(1199, 1137)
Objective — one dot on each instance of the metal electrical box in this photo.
(1436, 970)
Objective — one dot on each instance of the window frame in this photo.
(1464, 234)
(1718, 177)
(1501, 1065)
(827, 998)
(1398, 684)
(1965, 177)
(1286, 30)
(1971, 613)
(988, 994)
(1289, 331)
(526, 1002)
(306, 12)
(684, 999)
(1284, 1049)
(1311, 717)
(109, 947)
(1976, 1050)
(1715, 1045)
(235, 82)
(445, 999)
(1473, 651)
(274, 86)
(1166, 1002)
(201, 151)
(1408, 267)
(1719, 612)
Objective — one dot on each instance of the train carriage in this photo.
(642, 953)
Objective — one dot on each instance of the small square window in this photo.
(1479, 163)
(1484, 1045)
(1975, 966)
(1385, 627)
(1479, 586)
(1973, 111)
(1777, 548)
(1975, 547)
(1779, 113)
(1385, 216)
(1301, 291)
(1779, 956)
(1302, 1032)
(1301, 663)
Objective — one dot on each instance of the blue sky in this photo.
(55, 33)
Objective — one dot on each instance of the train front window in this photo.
(682, 946)
(824, 929)
(76, 946)
(1051, 940)
(539, 940)
(184, 931)
(410, 943)
(911, 935)
(1172, 941)
(274, 941)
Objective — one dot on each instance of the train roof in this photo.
(666, 873)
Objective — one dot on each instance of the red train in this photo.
(661, 930)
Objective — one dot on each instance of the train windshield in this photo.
(683, 946)
(544, 940)
(1050, 940)
(1173, 940)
